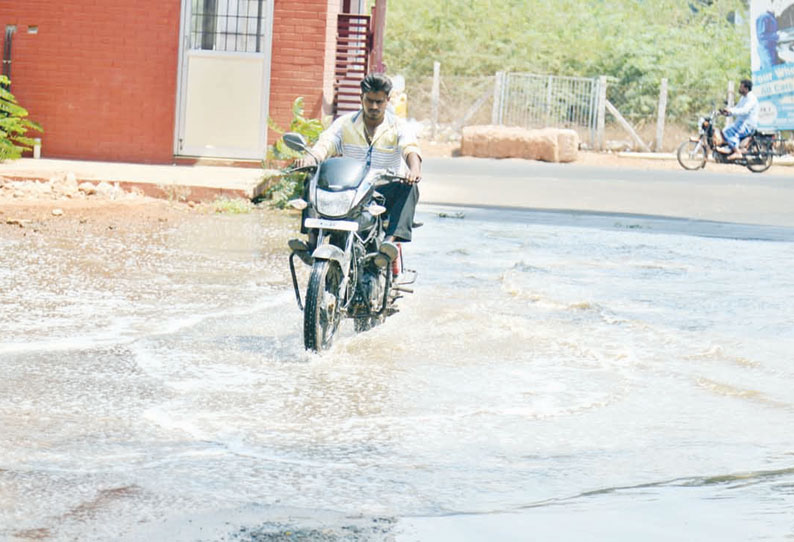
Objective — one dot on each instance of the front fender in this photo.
(331, 252)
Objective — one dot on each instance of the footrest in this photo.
(301, 250)
(297, 245)
(408, 276)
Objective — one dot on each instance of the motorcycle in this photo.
(353, 271)
(757, 148)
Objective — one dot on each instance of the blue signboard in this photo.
(772, 30)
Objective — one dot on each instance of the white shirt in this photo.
(746, 111)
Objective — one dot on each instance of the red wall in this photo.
(304, 47)
(100, 77)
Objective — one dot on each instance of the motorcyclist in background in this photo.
(375, 136)
(745, 119)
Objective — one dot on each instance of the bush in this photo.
(231, 206)
(284, 186)
(13, 124)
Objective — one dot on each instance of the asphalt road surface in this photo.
(740, 197)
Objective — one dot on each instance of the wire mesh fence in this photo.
(539, 101)
(463, 101)
(638, 103)
(511, 99)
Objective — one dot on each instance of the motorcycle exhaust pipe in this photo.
(403, 289)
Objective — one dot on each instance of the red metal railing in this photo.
(353, 46)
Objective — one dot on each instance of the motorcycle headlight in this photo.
(334, 203)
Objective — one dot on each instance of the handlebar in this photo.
(383, 178)
(392, 177)
(287, 171)
(388, 178)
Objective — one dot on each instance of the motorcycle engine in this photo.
(371, 290)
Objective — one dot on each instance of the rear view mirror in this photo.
(296, 142)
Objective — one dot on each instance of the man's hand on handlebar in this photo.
(304, 162)
(414, 162)
(413, 177)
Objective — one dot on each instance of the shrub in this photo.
(231, 206)
(284, 186)
(13, 124)
(308, 128)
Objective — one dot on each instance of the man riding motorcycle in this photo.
(745, 115)
(375, 136)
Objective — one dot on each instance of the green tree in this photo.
(636, 43)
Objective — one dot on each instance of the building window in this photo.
(228, 25)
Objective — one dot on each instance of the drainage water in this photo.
(632, 373)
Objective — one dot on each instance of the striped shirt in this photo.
(391, 144)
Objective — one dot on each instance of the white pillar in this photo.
(434, 98)
(660, 114)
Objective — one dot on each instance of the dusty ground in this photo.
(40, 215)
(24, 209)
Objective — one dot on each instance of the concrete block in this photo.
(548, 144)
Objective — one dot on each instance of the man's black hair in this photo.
(375, 82)
(747, 83)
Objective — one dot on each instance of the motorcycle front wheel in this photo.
(759, 157)
(691, 155)
(322, 313)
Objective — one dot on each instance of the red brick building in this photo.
(156, 80)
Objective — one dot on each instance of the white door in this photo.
(224, 78)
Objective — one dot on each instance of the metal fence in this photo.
(511, 99)
(599, 109)
(463, 100)
(538, 101)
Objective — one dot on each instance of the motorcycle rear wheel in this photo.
(691, 155)
(759, 157)
(322, 313)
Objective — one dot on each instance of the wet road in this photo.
(556, 375)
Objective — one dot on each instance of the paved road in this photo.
(702, 195)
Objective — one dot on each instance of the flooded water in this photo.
(555, 376)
